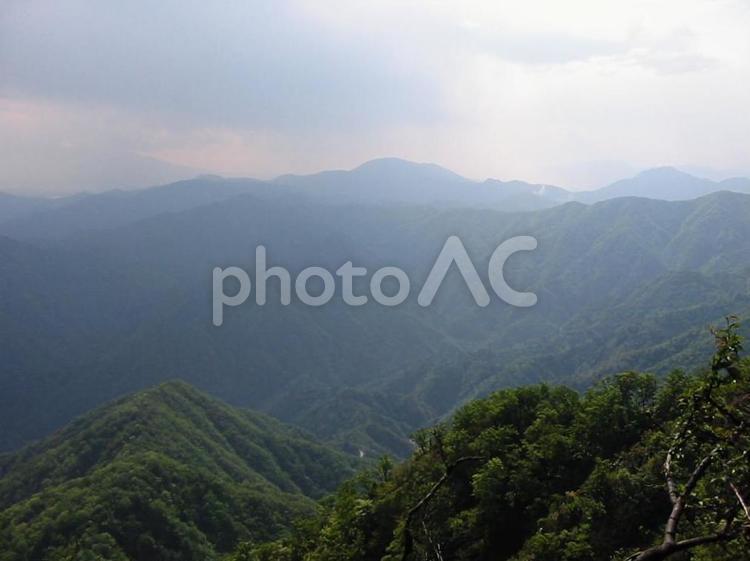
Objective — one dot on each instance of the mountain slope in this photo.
(545, 473)
(83, 214)
(131, 307)
(168, 473)
(12, 206)
(384, 182)
(665, 183)
(395, 181)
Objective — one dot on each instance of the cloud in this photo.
(51, 147)
(506, 89)
(254, 64)
(547, 48)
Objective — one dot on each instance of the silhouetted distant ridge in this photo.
(399, 166)
(664, 183)
(384, 181)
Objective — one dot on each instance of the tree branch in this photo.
(408, 538)
(670, 532)
(671, 486)
(700, 471)
(742, 501)
(665, 550)
(704, 540)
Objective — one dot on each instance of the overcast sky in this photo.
(98, 94)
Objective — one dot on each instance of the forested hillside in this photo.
(538, 473)
(635, 468)
(623, 284)
(297, 280)
(168, 473)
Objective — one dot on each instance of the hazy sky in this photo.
(98, 94)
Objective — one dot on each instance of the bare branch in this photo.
(704, 540)
(408, 538)
(742, 501)
(671, 486)
(725, 535)
(667, 549)
(670, 531)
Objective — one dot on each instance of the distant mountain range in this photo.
(385, 182)
(108, 294)
(666, 183)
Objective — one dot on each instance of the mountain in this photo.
(386, 180)
(665, 183)
(167, 473)
(546, 473)
(110, 169)
(89, 318)
(396, 181)
(15, 207)
(383, 182)
(81, 215)
(391, 180)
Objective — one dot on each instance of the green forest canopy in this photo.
(542, 473)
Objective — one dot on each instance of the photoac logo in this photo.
(453, 253)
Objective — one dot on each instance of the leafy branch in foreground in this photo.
(710, 448)
(541, 473)
(414, 511)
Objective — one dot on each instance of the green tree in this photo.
(706, 469)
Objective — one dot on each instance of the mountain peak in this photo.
(202, 458)
(209, 177)
(178, 421)
(392, 165)
(171, 386)
(664, 172)
(666, 183)
(386, 162)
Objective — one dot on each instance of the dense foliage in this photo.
(532, 474)
(167, 474)
(634, 468)
(627, 284)
(545, 474)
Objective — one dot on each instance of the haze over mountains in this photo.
(384, 181)
(227, 333)
(110, 293)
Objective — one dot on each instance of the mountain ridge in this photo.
(167, 472)
(149, 283)
(386, 181)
